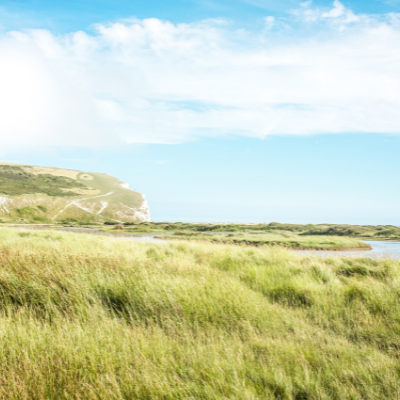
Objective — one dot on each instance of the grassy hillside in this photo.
(292, 242)
(85, 317)
(44, 195)
(15, 181)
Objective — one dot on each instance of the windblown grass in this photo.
(86, 317)
(289, 241)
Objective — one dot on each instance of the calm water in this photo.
(138, 237)
(379, 248)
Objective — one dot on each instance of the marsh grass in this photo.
(87, 317)
(376, 232)
(291, 241)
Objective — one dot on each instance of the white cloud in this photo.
(269, 22)
(338, 12)
(149, 81)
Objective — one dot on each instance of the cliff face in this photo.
(44, 195)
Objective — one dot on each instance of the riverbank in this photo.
(294, 242)
(367, 232)
(363, 233)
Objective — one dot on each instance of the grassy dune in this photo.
(292, 242)
(86, 317)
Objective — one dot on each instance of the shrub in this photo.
(388, 232)
(69, 221)
(26, 211)
(41, 219)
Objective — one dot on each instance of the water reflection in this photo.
(137, 237)
(380, 249)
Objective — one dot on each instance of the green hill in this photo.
(45, 195)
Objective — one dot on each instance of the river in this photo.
(380, 249)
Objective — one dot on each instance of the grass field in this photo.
(292, 242)
(139, 228)
(86, 317)
(373, 232)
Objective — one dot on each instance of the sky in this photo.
(218, 111)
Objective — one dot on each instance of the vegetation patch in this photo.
(356, 231)
(292, 242)
(26, 211)
(14, 181)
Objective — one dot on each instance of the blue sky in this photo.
(66, 16)
(241, 111)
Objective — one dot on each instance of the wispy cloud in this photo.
(338, 13)
(151, 81)
(391, 2)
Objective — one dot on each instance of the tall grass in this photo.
(86, 317)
